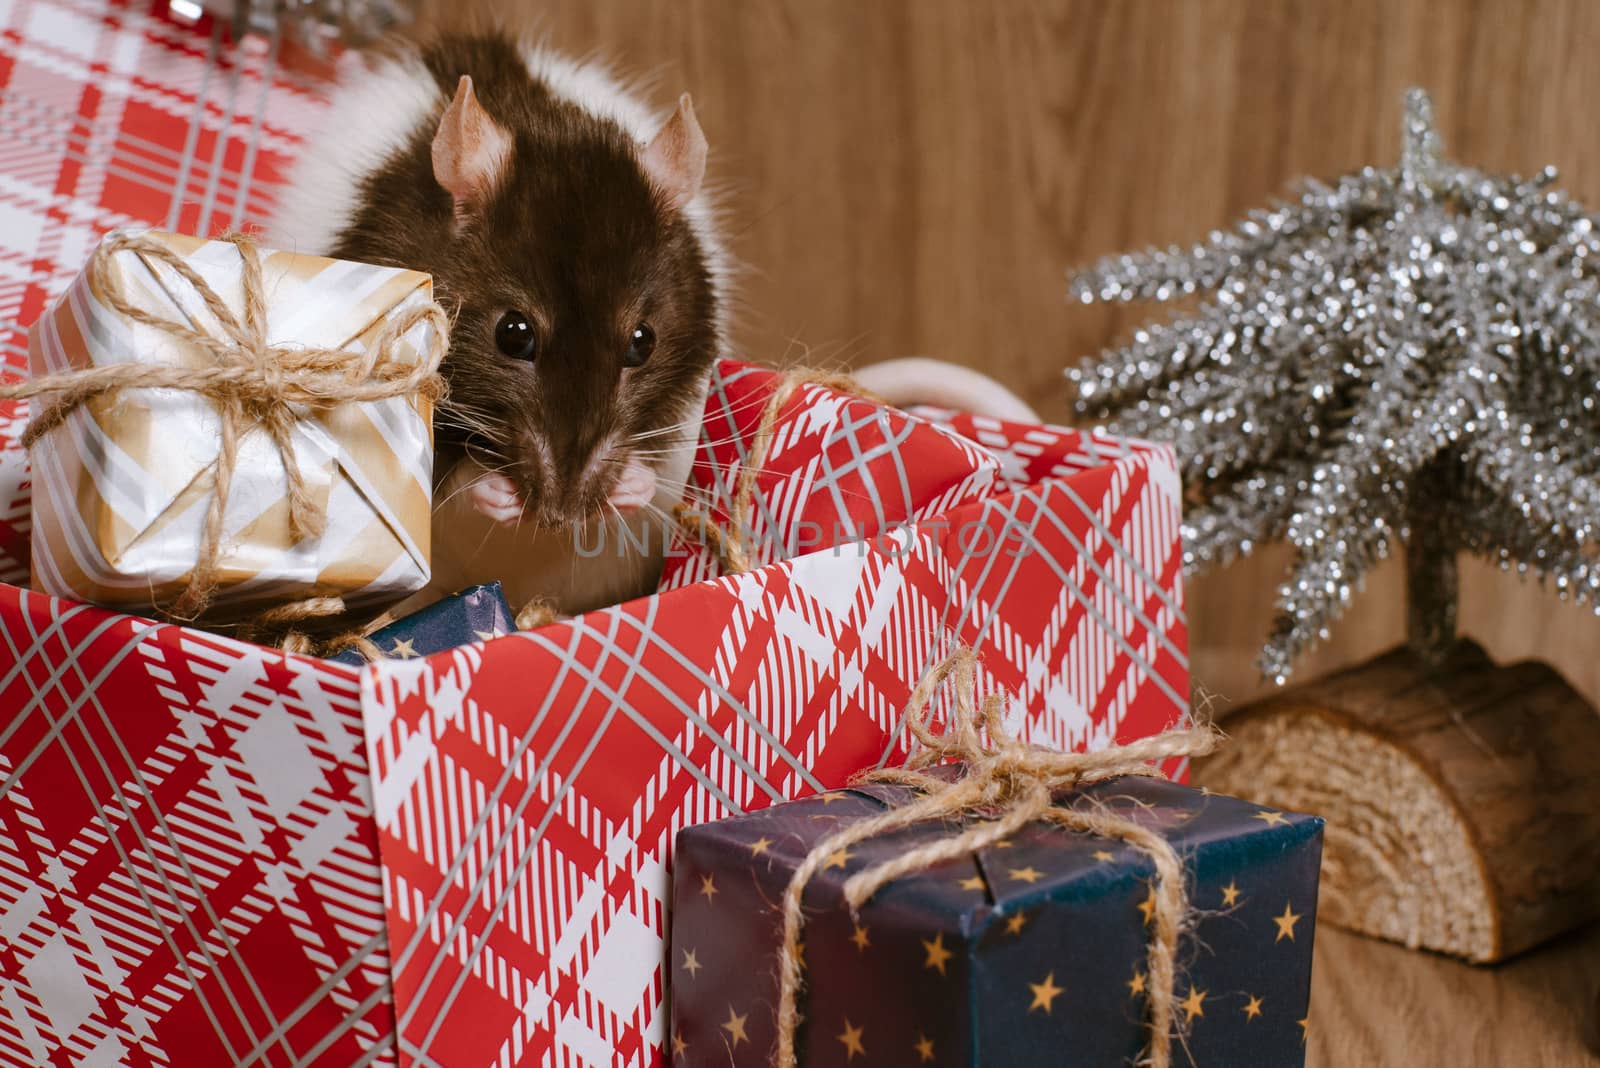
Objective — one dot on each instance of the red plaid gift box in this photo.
(215, 853)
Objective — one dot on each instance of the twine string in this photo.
(1007, 785)
(280, 627)
(537, 613)
(732, 543)
(250, 383)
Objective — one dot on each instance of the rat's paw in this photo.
(496, 497)
(633, 489)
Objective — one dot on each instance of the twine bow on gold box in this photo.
(222, 426)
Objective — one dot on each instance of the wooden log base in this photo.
(1463, 805)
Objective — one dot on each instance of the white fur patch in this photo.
(375, 110)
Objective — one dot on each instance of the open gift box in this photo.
(233, 855)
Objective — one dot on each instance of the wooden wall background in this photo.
(915, 177)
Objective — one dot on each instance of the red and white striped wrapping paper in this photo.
(215, 853)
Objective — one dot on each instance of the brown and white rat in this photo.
(566, 228)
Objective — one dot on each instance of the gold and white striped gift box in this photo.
(120, 490)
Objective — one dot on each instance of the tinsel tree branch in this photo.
(1404, 353)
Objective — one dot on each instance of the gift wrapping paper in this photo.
(489, 829)
(527, 792)
(121, 489)
(1030, 951)
(831, 475)
(258, 858)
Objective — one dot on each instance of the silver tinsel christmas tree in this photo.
(1409, 354)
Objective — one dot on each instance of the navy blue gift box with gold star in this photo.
(477, 613)
(1031, 952)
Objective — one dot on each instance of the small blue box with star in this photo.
(1030, 952)
(477, 613)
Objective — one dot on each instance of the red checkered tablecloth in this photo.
(113, 115)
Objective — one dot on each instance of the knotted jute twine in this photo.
(1007, 784)
(279, 626)
(533, 615)
(731, 543)
(251, 383)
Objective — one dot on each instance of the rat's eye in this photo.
(514, 335)
(640, 347)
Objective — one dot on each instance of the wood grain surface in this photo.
(1375, 1005)
(916, 176)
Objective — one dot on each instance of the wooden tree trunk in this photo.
(1463, 804)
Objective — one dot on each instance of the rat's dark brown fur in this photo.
(577, 238)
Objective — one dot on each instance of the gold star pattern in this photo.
(679, 1046)
(691, 963)
(1148, 906)
(1193, 1005)
(1045, 993)
(937, 954)
(1230, 893)
(860, 938)
(1136, 984)
(1004, 843)
(1305, 1029)
(708, 887)
(852, 1042)
(1205, 791)
(1252, 1008)
(924, 1047)
(974, 883)
(1103, 855)
(831, 796)
(485, 635)
(735, 1027)
(1286, 924)
(1014, 923)
(839, 858)
(1272, 819)
(760, 846)
(1029, 875)
(404, 650)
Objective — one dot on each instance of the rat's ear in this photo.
(675, 159)
(470, 151)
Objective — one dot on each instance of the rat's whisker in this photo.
(522, 513)
(486, 431)
(685, 429)
(668, 522)
(468, 483)
(697, 421)
(456, 404)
